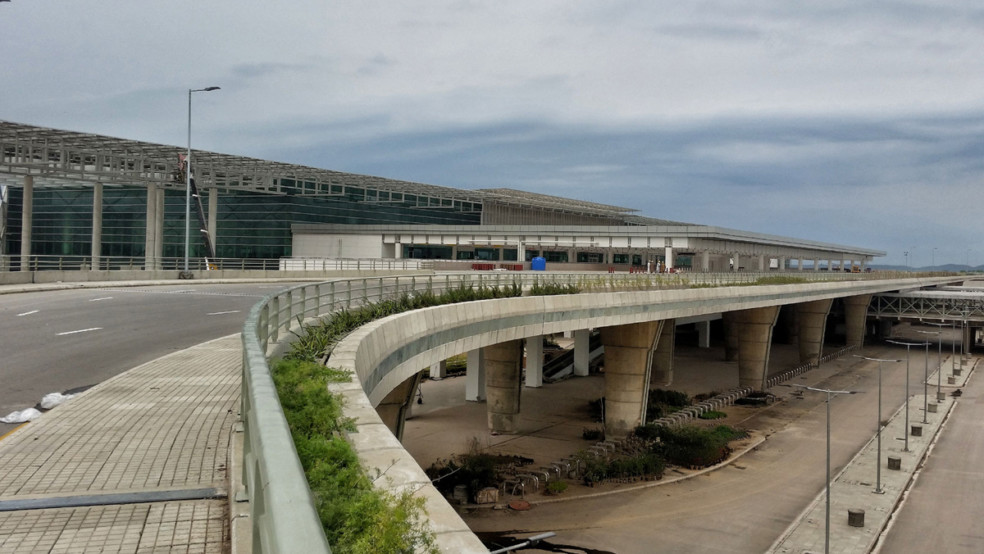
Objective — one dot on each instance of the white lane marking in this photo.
(99, 299)
(223, 313)
(28, 313)
(80, 331)
(181, 291)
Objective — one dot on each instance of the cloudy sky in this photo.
(854, 122)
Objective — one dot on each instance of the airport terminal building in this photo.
(76, 196)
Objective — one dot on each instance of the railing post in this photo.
(274, 318)
(348, 301)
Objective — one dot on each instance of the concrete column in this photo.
(628, 362)
(97, 220)
(159, 229)
(213, 217)
(669, 258)
(475, 376)
(150, 236)
(754, 345)
(855, 316)
(521, 252)
(662, 370)
(968, 336)
(812, 317)
(799, 264)
(737, 261)
(705, 260)
(762, 264)
(534, 361)
(27, 221)
(398, 249)
(730, 321)
(816, 264)
(439, 370)
(782, 263)
(454, 252)
(503, 366)
(703, 334)
(395, 407)
(582, 352)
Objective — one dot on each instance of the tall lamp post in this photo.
(188, 178)
(939, 359)
(907, 345)
(926, 377)
(878, 489)
(826, 538)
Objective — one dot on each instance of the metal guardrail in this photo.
(116, 263)
(283, 512)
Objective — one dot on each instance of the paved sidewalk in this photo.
(854, 487)
(137, 463)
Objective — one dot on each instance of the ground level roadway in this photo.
(743, 507)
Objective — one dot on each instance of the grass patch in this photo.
(713, 414)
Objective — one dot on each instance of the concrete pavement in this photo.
(138, 463)
(856, 487)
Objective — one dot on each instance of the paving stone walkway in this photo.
(135, 464)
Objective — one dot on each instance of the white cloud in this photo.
(737, 111)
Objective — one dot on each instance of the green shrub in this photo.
(357, 517)
(713, 414)
(689, 445)
(664, 402)
(556, 487)
(589, 434)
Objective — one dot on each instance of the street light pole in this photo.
(187, 245)
(926, 377)
(939, 358)
(907, 345)
(878, 489)
(826, 538)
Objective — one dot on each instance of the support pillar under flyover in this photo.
(812, 317)
(703, 334)
(730, 322)
(503, 367)
(755, 328)
(662, 371)
(855, 317)
(439, 370)
(582, 352)
(534, 361)
(395, 407)
(475, 376)
(628, 363)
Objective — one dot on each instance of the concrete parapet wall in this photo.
(385, 353)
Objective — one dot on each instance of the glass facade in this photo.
(248, 224)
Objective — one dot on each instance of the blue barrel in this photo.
(538, 263)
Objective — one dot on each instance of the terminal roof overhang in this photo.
(57, 158)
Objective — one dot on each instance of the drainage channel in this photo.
(141, 497)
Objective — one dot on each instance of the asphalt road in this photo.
(56, 341)
(743, 507)
(943, 509)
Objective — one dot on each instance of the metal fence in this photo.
(283, 512)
